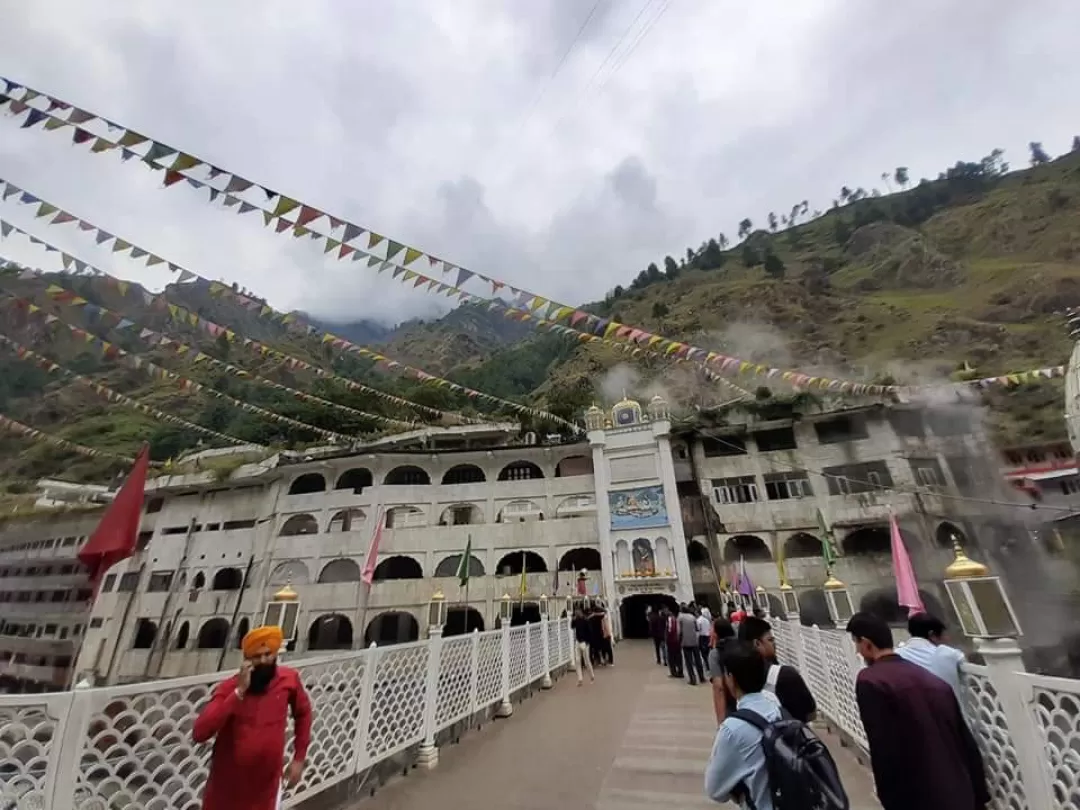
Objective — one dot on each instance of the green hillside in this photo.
(975, 267)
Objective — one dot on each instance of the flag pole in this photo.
(468, 572)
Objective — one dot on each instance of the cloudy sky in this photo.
(560, 145)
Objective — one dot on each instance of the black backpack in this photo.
(801, 772)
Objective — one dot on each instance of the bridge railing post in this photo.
(474, 666)
(367, 692)
(428, 756)
(1005, 668)
(506, 708)
(545, 630)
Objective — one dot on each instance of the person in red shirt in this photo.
(247, 717)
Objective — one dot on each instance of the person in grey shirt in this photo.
(688, 639)
(723, 632)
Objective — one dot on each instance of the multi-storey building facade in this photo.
(632, 514)
(44, 599)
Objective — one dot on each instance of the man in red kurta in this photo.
(248, 715)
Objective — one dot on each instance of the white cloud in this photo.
(441, 124)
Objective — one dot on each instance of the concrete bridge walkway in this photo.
(635, 739)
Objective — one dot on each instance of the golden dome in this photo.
(785, 587)
(759, 589)
(833, 584)
(286, 594)
(437, 596)
(963, 567)
(593, 409)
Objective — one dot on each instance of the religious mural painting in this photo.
(638, 508)
(641, 552)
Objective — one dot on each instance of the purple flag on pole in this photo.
(746, 587)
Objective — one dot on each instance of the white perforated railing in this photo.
(130, 747)
(1027, 726)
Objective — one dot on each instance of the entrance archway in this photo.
(525, 614)
(633, 608)
(461, 620)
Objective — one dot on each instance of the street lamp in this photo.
(506, 607)
(838, 600)
(436, 614)
(543, 605)
(283, 610)
(762, 598)
(790, 599)
(979, 598)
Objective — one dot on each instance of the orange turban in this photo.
(268, 636)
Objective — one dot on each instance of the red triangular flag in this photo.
(114, 538)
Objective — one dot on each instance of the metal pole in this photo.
(236, 610)
(123, 624)
(173, 586)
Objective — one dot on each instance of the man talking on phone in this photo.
(247, 717)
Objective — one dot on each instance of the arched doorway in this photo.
(802, 544)
(948, 533)
(813, 609)
(330, 632)
(633, 609)
(392, 627)
(881, 602)
(525, 613)
(868, 540)
(511, 564)
(461, 619)
(748, 547)
(398, 567)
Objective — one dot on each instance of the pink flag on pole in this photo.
(907, 589)
(368, 574)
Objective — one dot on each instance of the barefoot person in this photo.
(248, 717)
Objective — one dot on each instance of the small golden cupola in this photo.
(626, 412)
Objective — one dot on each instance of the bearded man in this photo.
(248, 717)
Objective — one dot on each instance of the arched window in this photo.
(406, 476)
(577, 559)
(182, 636)
(213, 635)
(519, 512)
(330, 632)
(356, 479)
(802, 545)
(227, 579)
(242, 628)
(448, 567)
(870, 540)
(461, 514)
(199, 581)
(747, 547)
(340, 570)
(575, 506)
(291, 572)
(697, 553)
(299, 524)
(510, 564)
(574, 465)
(464, 474)
(347, 520)
(392, 627)
(145, 634)
(398, 567)
(404, 517)
(307, 484)
(520, 471)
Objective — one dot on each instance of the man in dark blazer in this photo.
(922, 753)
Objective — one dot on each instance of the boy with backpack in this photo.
(762, 758)
(780, 680)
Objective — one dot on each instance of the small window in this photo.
(159, 582)
(778, 439)
(232, 525)
(787, 485)
(96, 623)
(128, 583)
(841, 429)
(212, 527)
(143, 540)
(154, 505)
(109, 584)
(720, 446)
(742, 489)
(181, 529)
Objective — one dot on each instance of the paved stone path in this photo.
(633, 740)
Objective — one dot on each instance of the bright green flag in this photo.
(463, 565)
(828, 549)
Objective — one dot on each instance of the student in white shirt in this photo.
(928, 649)
(704, 633)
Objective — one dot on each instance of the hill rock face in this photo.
(974, 268)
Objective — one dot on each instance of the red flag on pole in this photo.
(368, 574)
(115, 537)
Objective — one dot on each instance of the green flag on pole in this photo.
(463, 565)
(828, 544)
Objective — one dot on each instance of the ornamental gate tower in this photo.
(639, 524)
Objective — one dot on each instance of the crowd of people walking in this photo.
(593, 645)
(766, 755)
